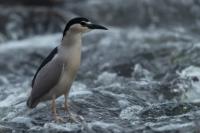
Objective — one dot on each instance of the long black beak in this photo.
(95, 26)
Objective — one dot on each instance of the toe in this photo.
(58, 119)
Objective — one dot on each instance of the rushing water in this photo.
(142, 75)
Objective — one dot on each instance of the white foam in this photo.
(193, 89)
(79, 89)
(142, 73)
(190, 72)
(118, 96)
(4, 79)
(61, 127)
(25, 120)
(106, 78)
(34, 42)
(174, 126)
(101, 124)
(130, 112)
(12, 99)
(123, 103)
(115, 85)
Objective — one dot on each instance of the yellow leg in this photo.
(72, 117)
(56, 117)
(66, 104)
(53, 105)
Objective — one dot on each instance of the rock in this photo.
(131, 112)
(106, 78)
(31, 2)
(4, 129)
(191, 74)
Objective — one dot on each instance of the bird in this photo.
(55, 75)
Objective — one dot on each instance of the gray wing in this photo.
(45, 61)
(45, 80)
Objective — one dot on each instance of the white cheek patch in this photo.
(88, 22)
(76, 26)
(79, 28)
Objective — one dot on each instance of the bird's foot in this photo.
(66, 108)
(58, 118)
(74, 118)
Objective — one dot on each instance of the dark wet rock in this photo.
(22, 20)
(18, 22)
(32, 2)
(169, 109)
(139, 12)
(4, 129)
(195, 79)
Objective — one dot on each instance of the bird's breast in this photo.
(71, 65)
(67, 77)
(71, 56)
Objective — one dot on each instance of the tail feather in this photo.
(31, 103)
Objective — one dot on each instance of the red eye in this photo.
(83, 23)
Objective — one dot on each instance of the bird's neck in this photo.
(70, 48)
(71, 39)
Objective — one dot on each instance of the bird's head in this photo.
(81, 25)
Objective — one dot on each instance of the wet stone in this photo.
(4, 129)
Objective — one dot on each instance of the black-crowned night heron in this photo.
(57, 72)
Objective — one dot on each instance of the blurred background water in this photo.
(140, 76)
